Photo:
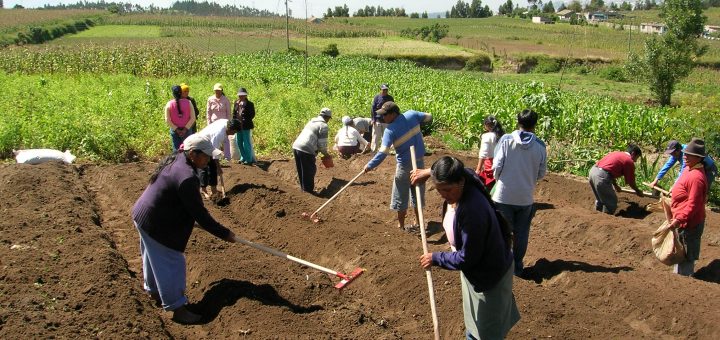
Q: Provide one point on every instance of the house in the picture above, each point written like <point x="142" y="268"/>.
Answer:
<point x="653" y="28"/>
<point x="711" y="29"/>
<point x="542" y="20"/>
<point x="596" y="16"/>
<point x="565" y="15"/>
<point x="314" y="20"/>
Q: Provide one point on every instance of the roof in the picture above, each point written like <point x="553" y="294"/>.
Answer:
<point x="565" y="12"/>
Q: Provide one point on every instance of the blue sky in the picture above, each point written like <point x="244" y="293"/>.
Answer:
<point x="314" y="7"/>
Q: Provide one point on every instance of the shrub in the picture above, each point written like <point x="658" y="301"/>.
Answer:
<point x="480" y="62"/>
<point x="331" y="50"/>
<point x="547" y="65"/>
<point x="614" y="73"/>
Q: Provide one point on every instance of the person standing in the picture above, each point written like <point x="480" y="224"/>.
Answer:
<point x="186" y="94"/>
<point x="164" y="216"/>
<point x="604" y="173"/>
<point x="688" y="205"/>
<point x="479" y="240"/>
<point x="218" y="107"/>
<point x="312" y="139"/>
<point x="378" y="124"/>
<point x="520" y="161"/>
<point x="675" y="152"/>
<point x="179" y="116"/>
<point x="244" y="111"/>
<point x="217" y="133"/>
<point x="403" y="131"/>
<point x="488" y="141"/>
<point x="348" y="141"/>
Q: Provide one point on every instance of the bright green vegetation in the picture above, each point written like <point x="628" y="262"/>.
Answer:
<point x="389" y="46"/>
<point x="117" y="31"/>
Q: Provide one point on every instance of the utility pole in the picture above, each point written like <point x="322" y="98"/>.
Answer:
<point x="287" y="24"/>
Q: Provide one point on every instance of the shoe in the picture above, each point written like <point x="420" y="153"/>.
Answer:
<point x="184" y="316"/>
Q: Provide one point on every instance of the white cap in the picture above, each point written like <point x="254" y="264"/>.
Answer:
<point x="326" y="112"/>
<point x="198" y="142"/>
<point x="346" y="120"/>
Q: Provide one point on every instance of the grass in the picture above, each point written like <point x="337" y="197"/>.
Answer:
<point x="119" y="31"/>
<point x="635" y="17"/>
<point x="395" y="46"/>
<point x="13" y="19"/>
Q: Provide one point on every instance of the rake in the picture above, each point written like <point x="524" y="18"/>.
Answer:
<point x="345" y="279"/>
<point x="313" y="217"/>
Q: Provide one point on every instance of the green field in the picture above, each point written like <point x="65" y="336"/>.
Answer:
<point x="118" y="31"/>
<point x="13" y="19"/>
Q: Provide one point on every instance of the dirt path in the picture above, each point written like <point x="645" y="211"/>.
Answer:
<point x="594" y="275"/>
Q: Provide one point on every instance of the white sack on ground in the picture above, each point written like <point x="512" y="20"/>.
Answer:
<point x="37" y="156"/>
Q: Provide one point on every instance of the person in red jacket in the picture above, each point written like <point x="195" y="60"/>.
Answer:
<point x="688" y="205"/>
<point x="605" y="171"/>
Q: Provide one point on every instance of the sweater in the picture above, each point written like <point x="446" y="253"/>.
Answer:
<point x="218" y="108"/>
<point x="688" y="197"/>
<point x="183" y="118"/>
<point x="520" y="161"/>
<point x="619" y="163"/>
<point x="245" y="113"/>
<point x="313" y="138"/>
<point x="348" y="136"/>
<point x="170" y="206"/>
<point x="377" y="102"/>
<point x="403" y="132"/>
<point x="482" y="253"/>
<point x="216" y="133"/>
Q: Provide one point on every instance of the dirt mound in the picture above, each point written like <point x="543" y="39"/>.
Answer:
<point x="71" y="262"/>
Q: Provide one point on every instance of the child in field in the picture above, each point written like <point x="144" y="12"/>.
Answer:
<point x="488" y="140"/>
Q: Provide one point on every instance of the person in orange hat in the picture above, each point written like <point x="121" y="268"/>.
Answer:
<point x="186" y="94"/>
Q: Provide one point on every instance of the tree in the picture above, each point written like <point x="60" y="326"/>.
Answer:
<point x="414" y="15"/>
<point x="561" y="7"/>
<point x="548" y="8"/>
<point x="595" y="5"/>
<point x="625" y="6"/>
<point x="424" y="15"/>
<point x="506" y="8"/>
<point x="671" y="57"/>
<point x="18" y="6"/>
<point x="575" y="6"/>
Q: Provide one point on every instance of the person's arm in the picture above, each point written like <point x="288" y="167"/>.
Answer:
<point x="227" y="107"/>
<point x="499" y="159"/>
<point x="207" y="110"/>
<point x="372" y="110"/>
<point x="630" y="179"/>
<point x="322" y="141"/>
<point x="191" y="121"/>
<point x="250" y="111"/>
<point x="361" y="141"/>
<point x="472" y="246"/>
<point x="665" y="168"/>
<point x="695" y="201"/>
<point x="419" y="176"/>
<point x="382" y="152"/>
<point x="542" y="170"/>
<point x="189" y="192"/>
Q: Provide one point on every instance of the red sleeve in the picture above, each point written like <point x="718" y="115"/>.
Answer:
<point x="695" y="200"/>
<point x="629" y="173"/>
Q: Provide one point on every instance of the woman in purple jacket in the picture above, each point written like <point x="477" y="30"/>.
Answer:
<point x="481" y="249"/>
<point x="164" y="216"/>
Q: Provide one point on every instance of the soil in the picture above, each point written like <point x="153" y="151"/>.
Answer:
<point x="70" y="262"/>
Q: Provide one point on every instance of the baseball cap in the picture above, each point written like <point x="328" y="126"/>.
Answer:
<point x="346" y="120"/>
<point x="198" y="142"/>
<point x="384" y="87"/>
<point x="242" y="92"/>
<point x="326" y="112"/>
<point x="388" y="106"/>
<point x="218" y="87"/>
<point x="672" y="146"/>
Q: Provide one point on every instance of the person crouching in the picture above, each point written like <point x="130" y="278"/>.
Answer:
<point x="348" y="140"/>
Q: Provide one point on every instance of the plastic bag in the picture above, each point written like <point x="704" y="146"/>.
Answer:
<point x="38" y="156"/>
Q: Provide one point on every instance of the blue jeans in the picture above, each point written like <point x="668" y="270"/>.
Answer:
<point x="519" y="218"/>
<point x="177" y="140"/>
<point x="163" y="271"/>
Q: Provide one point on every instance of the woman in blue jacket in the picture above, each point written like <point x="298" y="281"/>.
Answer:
<point x="481" y="249"/>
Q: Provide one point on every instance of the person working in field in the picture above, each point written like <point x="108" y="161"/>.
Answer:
<point x="164" y="216"/>
<point x="606" y="170"/>
<point x="403" y="130"/>
<point x="480" y="241"/>
<point x="244" y="111"/>
<point x="218" y="107"/>
<point x="675" y="152"/>
<point x="520" y="161"/>
<point x="186" y="94"/>
<point x="348" y="141"/>
<point x="217" y="133"/>
<point x="488" y="141"/>
<point x="312" y="139"/>
<point x="688" y="205"/>
<point x="180" y="117"/>
<point x="378" y="125"/>
<point x="363" y="126"/>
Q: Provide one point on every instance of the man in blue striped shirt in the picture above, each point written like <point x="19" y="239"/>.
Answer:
<point x="403" y="130"/>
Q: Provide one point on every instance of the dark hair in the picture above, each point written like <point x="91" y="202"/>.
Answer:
<point x="234" y="124"/>
<point x="527" y="119"/>
<point x="449" y="169"/>
<point x="177" y="94"/>
<point x="167" y="161"/>
<point x="634" y="150"/>
<point x="496" y="127"/>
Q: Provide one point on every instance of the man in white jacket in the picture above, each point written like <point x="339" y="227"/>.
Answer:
<point x="520" y="161"/>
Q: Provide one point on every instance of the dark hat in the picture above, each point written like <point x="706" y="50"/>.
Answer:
<point x="672" y="146"/>
<point x="384" y="87"/>
<point x="388" y="107"/>
<point x="242" y="92"/>
<point x="176" y="91"/>
<point x="696" y="147"/>
<point x="233" y="124"/>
